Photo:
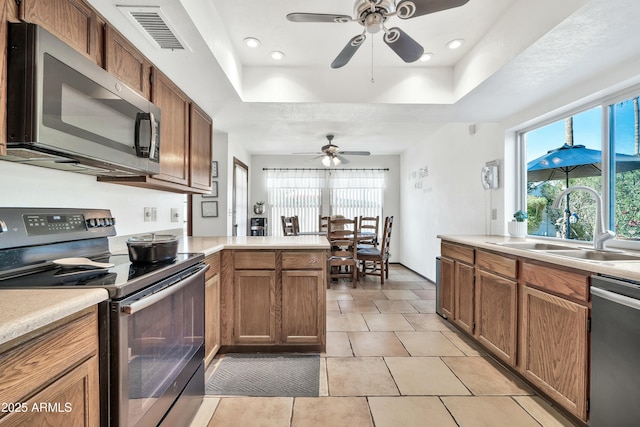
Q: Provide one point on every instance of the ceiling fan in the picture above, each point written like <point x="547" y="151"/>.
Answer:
<point x="372" y="15"/>
<point x="333" y="154"/>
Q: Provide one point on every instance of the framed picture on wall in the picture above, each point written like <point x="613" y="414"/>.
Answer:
<point x="209" y="209"/>
<point x="214" y="190"/>
<point x="214" y="169"/>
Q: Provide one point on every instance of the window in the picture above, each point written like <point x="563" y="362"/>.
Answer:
<point x="348" y="192"/>
<point x="570" y="152"/>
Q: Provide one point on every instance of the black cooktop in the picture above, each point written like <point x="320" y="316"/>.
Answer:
<point x="123" y="279"/>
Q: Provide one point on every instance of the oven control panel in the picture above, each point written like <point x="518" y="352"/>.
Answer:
<point x="53" y="224"/>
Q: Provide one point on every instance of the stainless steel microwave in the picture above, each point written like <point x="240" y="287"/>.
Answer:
<point x="66" y="112"/>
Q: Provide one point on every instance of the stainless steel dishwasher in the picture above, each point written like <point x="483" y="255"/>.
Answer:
<point x="615" y="352"/>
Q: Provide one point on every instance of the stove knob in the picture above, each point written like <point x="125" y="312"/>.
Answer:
<point x="3" y="226"/>
<point x="91" y="223"/>
<point x="100" y="222"/>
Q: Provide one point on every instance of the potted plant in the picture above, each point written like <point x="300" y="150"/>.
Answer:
<point x="258" y="208"/>
<point x="518" y="227"/>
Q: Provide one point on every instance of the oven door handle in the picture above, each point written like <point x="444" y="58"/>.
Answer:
<point x="158" y="296"/>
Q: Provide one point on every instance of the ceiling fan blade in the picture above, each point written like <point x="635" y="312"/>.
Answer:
<point x="407" y="48"/>
<point x="315" y="158"/>
<point x="318" y="17"/>
<point x="349" y="50"/>
<point x="308" y="153"/>
<point x="411" y="8"/>
<point x="343" y="160"/>
<point x="356" y="153"/>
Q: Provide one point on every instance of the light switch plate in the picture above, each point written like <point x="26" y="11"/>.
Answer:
<point x="175" y="215"/>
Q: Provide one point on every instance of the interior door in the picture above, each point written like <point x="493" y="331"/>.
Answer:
<point x="240" y="197"/>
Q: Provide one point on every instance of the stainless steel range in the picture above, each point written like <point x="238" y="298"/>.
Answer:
<point x="152" y="327"/>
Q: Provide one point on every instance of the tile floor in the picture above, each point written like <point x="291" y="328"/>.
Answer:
<point x="391" y="361"/>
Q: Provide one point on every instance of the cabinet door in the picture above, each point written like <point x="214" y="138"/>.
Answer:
<point x="464" y="296"/>
<point x="73" y="21"/>
<point x="303" y="312"/>
<point x="126" y="62"/>
<point x="496" y="315"/>
<point x="200" y="149"/>
<point x="212" y="317"/>
<point x="554" y="348"/>
<point x="72" y="400"/>
<point x="447" y="287"/>
<point x="255" y="307"/>
<point x="174" y="129"/>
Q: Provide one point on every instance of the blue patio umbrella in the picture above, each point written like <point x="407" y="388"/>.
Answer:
<point x="574" y="161"/>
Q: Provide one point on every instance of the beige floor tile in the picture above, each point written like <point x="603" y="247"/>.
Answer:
<point x="333" y="295"/>
<point x="428" y="322"/>
<point x="428" y="344"/>
<point x="424" y="376"/>
<point x="395" y="306"/>
<point x="367" y="294"/>
<point x="393" y="285"/>
<point x="409" y="411"/>
<point x="426" y="293"/>
<point x="400" y="294"/>
<point x="346" y="322"/>
<point x="376" y="344"/>
<point x="465" y="345"/>
<point x="369" y="284"/>
<point x="544" y="413"/>
<point x="331" y="411"/>
<point x="358" y="306"/>
<point x="424" y="306"/>
<point x="333" y="306"/>
<point x="341" y="285"/>
<point x="360" y="376"/>
<point x="485" y="377"/>
<point x="338" y="345"/>
<point x="203" y="416"/>
<point x="387" y="322"/>
<point x="484" y="411"/>
<point x="253" y="411"/>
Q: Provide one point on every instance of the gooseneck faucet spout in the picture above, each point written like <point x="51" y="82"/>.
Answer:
<point x="600" y="233"/>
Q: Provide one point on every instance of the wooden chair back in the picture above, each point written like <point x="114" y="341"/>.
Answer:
<point x="369" y="224"/>
<point x="290" y="225"/>
<point x="378" y="258"/>
<point x="323" y="223"/>
<point x="343" y="253"/>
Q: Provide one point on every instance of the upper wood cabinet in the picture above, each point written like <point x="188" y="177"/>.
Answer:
<point x="174" y="129"/>
<point x="126" y="62"/>
<point x="200" y="149"/>
<point x="73" y="21"/>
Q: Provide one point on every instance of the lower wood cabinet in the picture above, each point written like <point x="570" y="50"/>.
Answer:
<point x="273" y="298"/>
<point x="464" y="296"/>
<point x="53" y="378"/>
<point x="554" y="348"/>
<point x="447" y="287"/>
<point x="497" y="315"/>
<point x="212" y="308"/>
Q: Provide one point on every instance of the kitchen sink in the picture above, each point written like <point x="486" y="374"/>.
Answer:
<point x="593" y="255"/>
<point x="535" y="246"/>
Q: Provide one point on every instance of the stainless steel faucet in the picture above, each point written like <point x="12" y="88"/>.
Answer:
<point x="600" y="233"/>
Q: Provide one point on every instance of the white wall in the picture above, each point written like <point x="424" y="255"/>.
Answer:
<point x="32" y="186"/>
<point x="441" y="191"/>
<point x="391" y="206"/>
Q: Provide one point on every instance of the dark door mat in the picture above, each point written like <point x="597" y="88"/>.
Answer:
<point x="266" y="375"/>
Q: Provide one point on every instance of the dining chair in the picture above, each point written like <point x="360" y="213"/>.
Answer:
<point x="290" y="225"/>
<point x="378" y="258"/>
<point x="323" y="223"/>
<point x="342" y="260"/>
<point x="368" y="225"/>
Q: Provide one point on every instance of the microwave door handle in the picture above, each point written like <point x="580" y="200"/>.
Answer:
<point x="154" y="136"/>
<point x="136" y="137"/>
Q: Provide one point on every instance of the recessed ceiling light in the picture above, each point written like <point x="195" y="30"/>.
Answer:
<point x="426" y="56"/>
<point x="252" y="42"/>
<point x="277" y="55"/>
<point x="454" y="44"/>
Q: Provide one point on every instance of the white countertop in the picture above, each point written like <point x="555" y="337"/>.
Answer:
<point x="25" y="310"/>
<point x="210" y="245"/>
<point x="623" y="269"/>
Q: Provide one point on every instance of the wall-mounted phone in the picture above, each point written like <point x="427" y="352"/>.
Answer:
<point x="489" y="177"/>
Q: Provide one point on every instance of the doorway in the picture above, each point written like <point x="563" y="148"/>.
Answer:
<point x="240" y="198"/>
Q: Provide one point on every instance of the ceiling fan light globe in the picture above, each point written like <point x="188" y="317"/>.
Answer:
<point x="336" y="161"/>
<point x="326" y="160"/>
<point x="373" y="23"/>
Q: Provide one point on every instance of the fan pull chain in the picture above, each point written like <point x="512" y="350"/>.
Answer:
<point x="372" y="79"/>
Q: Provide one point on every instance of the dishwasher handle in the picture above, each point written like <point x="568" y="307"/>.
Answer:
<point x="617" y="298"/>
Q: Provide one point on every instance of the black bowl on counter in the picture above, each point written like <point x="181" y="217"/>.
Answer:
<point x="152" y="248"/>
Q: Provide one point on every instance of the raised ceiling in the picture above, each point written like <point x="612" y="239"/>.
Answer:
<point x="517" y="53"/>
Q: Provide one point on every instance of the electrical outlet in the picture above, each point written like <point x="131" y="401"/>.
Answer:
<point x="175" y="215"/>
<point x="147" y="214"/>
<point x="494" y="213"/>
<point x="154" y="214"/>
